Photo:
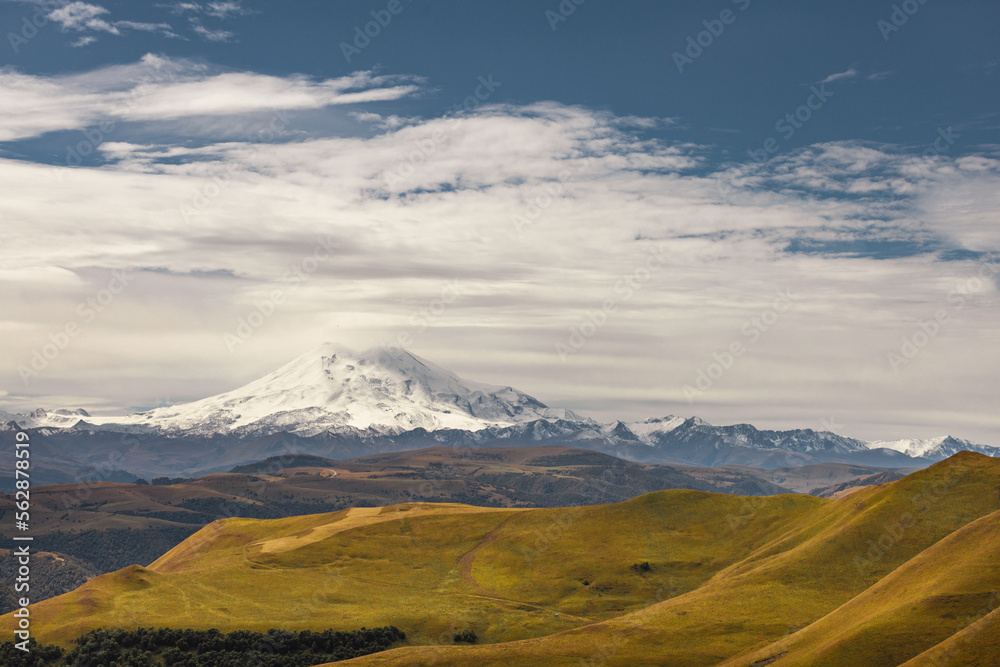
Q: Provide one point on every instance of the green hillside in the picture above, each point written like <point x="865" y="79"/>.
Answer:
<point x="976" y="644"/>
<point x="821" y="560"/>
<point x="506" y="573"/>
<point x="107" y="526"/>
<point x="921" y="604"/>
<point x="668" y="578"/>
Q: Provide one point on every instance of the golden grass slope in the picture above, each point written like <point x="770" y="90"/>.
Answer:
<point x="978" y="645"/>
<point x="921" y="604"/>
<point x="808" y="568"/>
<point x="727" y="574"/>
<point x="428" y="569"/>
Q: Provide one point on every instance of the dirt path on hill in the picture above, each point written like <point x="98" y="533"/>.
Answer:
<point x="466" y="560"/>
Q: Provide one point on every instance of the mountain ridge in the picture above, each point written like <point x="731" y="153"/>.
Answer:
<point x="343" y="404"/>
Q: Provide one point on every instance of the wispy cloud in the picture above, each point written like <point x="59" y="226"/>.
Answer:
<point x="160" y="89"/>
<point x="89" y="18"/>
<point x="850" y="73"/>
<point x="646" y="122"/>
<point x="383" y="122"/>
<point x="145" y="27"/>
<point x="182" y="7"/>
<point x="221" y="10"/>
<point x="216" y="10"/>
<point x="84" y="17"/>
<point x="224" y="10"/>
<point x="211" y="35"/>
<point x="80" y="16"/>
<point x="83" y="41"/>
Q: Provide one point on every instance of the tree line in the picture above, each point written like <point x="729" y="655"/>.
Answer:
<point x="148" y="647"/>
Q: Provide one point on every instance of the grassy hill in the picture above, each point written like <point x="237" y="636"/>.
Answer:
<point x="108" y="526"/>
<point x="506" y="573"/>
<point x="669" y="578"/>
<point x="976" y="644"/>
<point x="919" y="605"/>
<point x="821" y="560"/>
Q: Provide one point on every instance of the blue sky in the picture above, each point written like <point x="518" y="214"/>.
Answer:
<point x="213" y="151"/>
<point x="938" y="69"/>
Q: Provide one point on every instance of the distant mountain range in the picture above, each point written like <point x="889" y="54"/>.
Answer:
<point x="336" y="403"/>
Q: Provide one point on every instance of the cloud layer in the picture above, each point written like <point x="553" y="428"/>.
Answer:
<point x="559" y="249"/>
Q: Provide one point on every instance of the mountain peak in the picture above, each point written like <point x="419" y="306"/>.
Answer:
<point x="42" y="418"/>
<point x="329" y="349"/>
<point x="332" y="387"/>
<point x="938" y="448"/>
<point x="911" y="446"/>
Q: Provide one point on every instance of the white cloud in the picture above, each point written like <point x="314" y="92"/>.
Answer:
<point x="382" y="122"/>
<point x="220" y="10"/>
<point x="645" y="122"/>
<point x="964" y="208"/>
<point x="211" y="35"/>
<point x="850" y="73"/>
<point x="212" y="231"/>
<point x="85" y="17"/>
<point x="80" y="16"/>
<point x="158" y="89"/>
<point x="224" y="10"/>
<point x="183" y="7"/>
<point x="83" y="41"/>
<point x="145" y="27"/>
<point x="216" y="10"/>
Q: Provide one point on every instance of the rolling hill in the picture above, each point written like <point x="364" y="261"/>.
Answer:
<point x="975" y="644"/>
<point x="669" y="578"/>
<point x="107" y="526"/>
<point x="917" y="606"/>
<point x="818" y="562"/>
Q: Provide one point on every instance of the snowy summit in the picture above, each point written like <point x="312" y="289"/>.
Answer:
<point x="332" y="387"/>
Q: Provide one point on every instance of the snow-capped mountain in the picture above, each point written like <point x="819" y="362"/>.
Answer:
<point x="646" y="430"/>
<point x="336" y="403"/>
<point x="331" y="388"/>
<point x="934" y="448"/>
<point x="41" y="418"/>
